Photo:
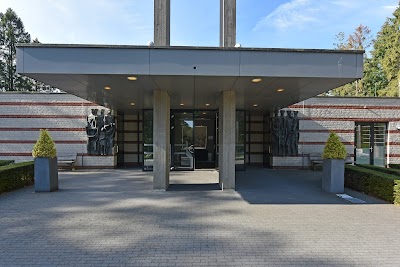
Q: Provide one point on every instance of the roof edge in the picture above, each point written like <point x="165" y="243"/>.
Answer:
<point x="190" y="48"/>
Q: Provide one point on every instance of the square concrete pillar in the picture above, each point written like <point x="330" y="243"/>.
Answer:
<point x="227" y="144"/>
<point x="162" y="22"/>
<point x="161" y="139"/>
<point x="227" y="33"/>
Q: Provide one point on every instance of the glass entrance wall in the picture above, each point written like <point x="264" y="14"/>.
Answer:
<point x="194" y="139"/>
<point x="205" y="138"/>
<point x="182" y="144"/>
<point x="147" y="140"/>
<point x="363" y="144"/>
<point x="379" y="149"/>
<point x="240" y="140"/>
<point x="370" y="142"/>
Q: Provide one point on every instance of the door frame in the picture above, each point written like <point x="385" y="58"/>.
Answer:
<point x="371" y="140"/>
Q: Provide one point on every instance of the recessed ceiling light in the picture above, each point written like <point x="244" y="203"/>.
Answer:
<point x="132" y="104"/>
<point x="107" y="87"/>
<point x="280" y="90"/>
<point x="181" y="104"/>
<point x="204" y="113"/>
<point x="132" y="78"/>
<point x="207" y="105"/>
<point x="256" y="80"/>
<point x="255" y="105"/>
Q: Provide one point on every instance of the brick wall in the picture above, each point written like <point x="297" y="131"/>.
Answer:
<point x="22" y="115"/>
<point x="320" y="115"/>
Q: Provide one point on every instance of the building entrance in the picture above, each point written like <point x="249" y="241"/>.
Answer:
<point x="370" y="140"/>
<point x="193" y="139"/>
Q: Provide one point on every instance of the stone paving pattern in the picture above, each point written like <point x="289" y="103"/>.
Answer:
<point x="275" y="218"/>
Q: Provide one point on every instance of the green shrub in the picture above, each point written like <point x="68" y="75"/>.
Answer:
<point x="334" y="149"/>
<point x="15" y="176"/>
<point x="374" y="183"/>
<point x="394" y="166"/>
<point x="44" y="147"/>
<point x="6" y="162"/>
<point x="381" y="169"/>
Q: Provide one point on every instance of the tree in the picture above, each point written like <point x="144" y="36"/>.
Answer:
<point x="12" y="32"/>
<point x="386" y="56"/>
<point x="360" y="39"/>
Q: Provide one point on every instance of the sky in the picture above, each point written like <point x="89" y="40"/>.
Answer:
<point x="260" y="23"/>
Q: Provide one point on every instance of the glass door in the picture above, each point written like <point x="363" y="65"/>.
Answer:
<point x="147" y="140"/>
<point x="182" y="145"/>
<point x="370" y="143"/>
<point x="379" y="144"/>
<point x="204" y="138"/>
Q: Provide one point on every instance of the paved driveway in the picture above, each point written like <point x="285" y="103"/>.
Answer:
<point x="113" y="218"/>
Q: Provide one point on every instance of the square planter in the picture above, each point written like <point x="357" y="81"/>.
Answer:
<point x="46" y="174"/>
<point x="333" y="176"/>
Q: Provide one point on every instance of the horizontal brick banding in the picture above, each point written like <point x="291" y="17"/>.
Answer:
<point x="34" y="141"/>
<point x="326" y="131"/>
<point x="347" y="119"/>
<point x="344" y="107"/>
<point x="60" y="104"/>
<point x="392" y="155"/>
<point x="49" y="129"/>
<point x="42" y="117"/>
<point x="323" y="143"/>
<point x="393" y="143"/>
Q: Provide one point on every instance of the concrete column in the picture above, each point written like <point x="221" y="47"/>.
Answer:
<point x="162" y="22"/>
<point x="227" y="123"/>
<point x="227" y="33"/>
<point x="161" y="139"/>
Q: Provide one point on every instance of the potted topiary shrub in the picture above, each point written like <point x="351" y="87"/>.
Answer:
<point x="45" y="161"/>
<point x="333" y="165"/>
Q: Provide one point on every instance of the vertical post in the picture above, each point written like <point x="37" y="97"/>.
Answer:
<point x="227" y="120"/>
<point x="227" y="33"/>
<point x="161" y="139"/>
<point x="162" y="22"/>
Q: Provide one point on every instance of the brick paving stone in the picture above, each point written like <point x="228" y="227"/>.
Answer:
<point x="275" y="218"/>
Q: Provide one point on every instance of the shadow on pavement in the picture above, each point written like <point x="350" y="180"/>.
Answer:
<point x="268" y="186"/>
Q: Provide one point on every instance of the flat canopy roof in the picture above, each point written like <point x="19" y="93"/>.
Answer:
<point x="193" y="76"/>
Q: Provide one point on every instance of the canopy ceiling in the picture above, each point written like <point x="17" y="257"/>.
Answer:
<point x="194" y="77"/>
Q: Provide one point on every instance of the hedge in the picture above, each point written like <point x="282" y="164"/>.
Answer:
<point x="6" y="162"/>
<point x="15" y="176"/>
<point x="381" y="169"/>
<point x="374" y="183"/>
<point x="394" y="166"/>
